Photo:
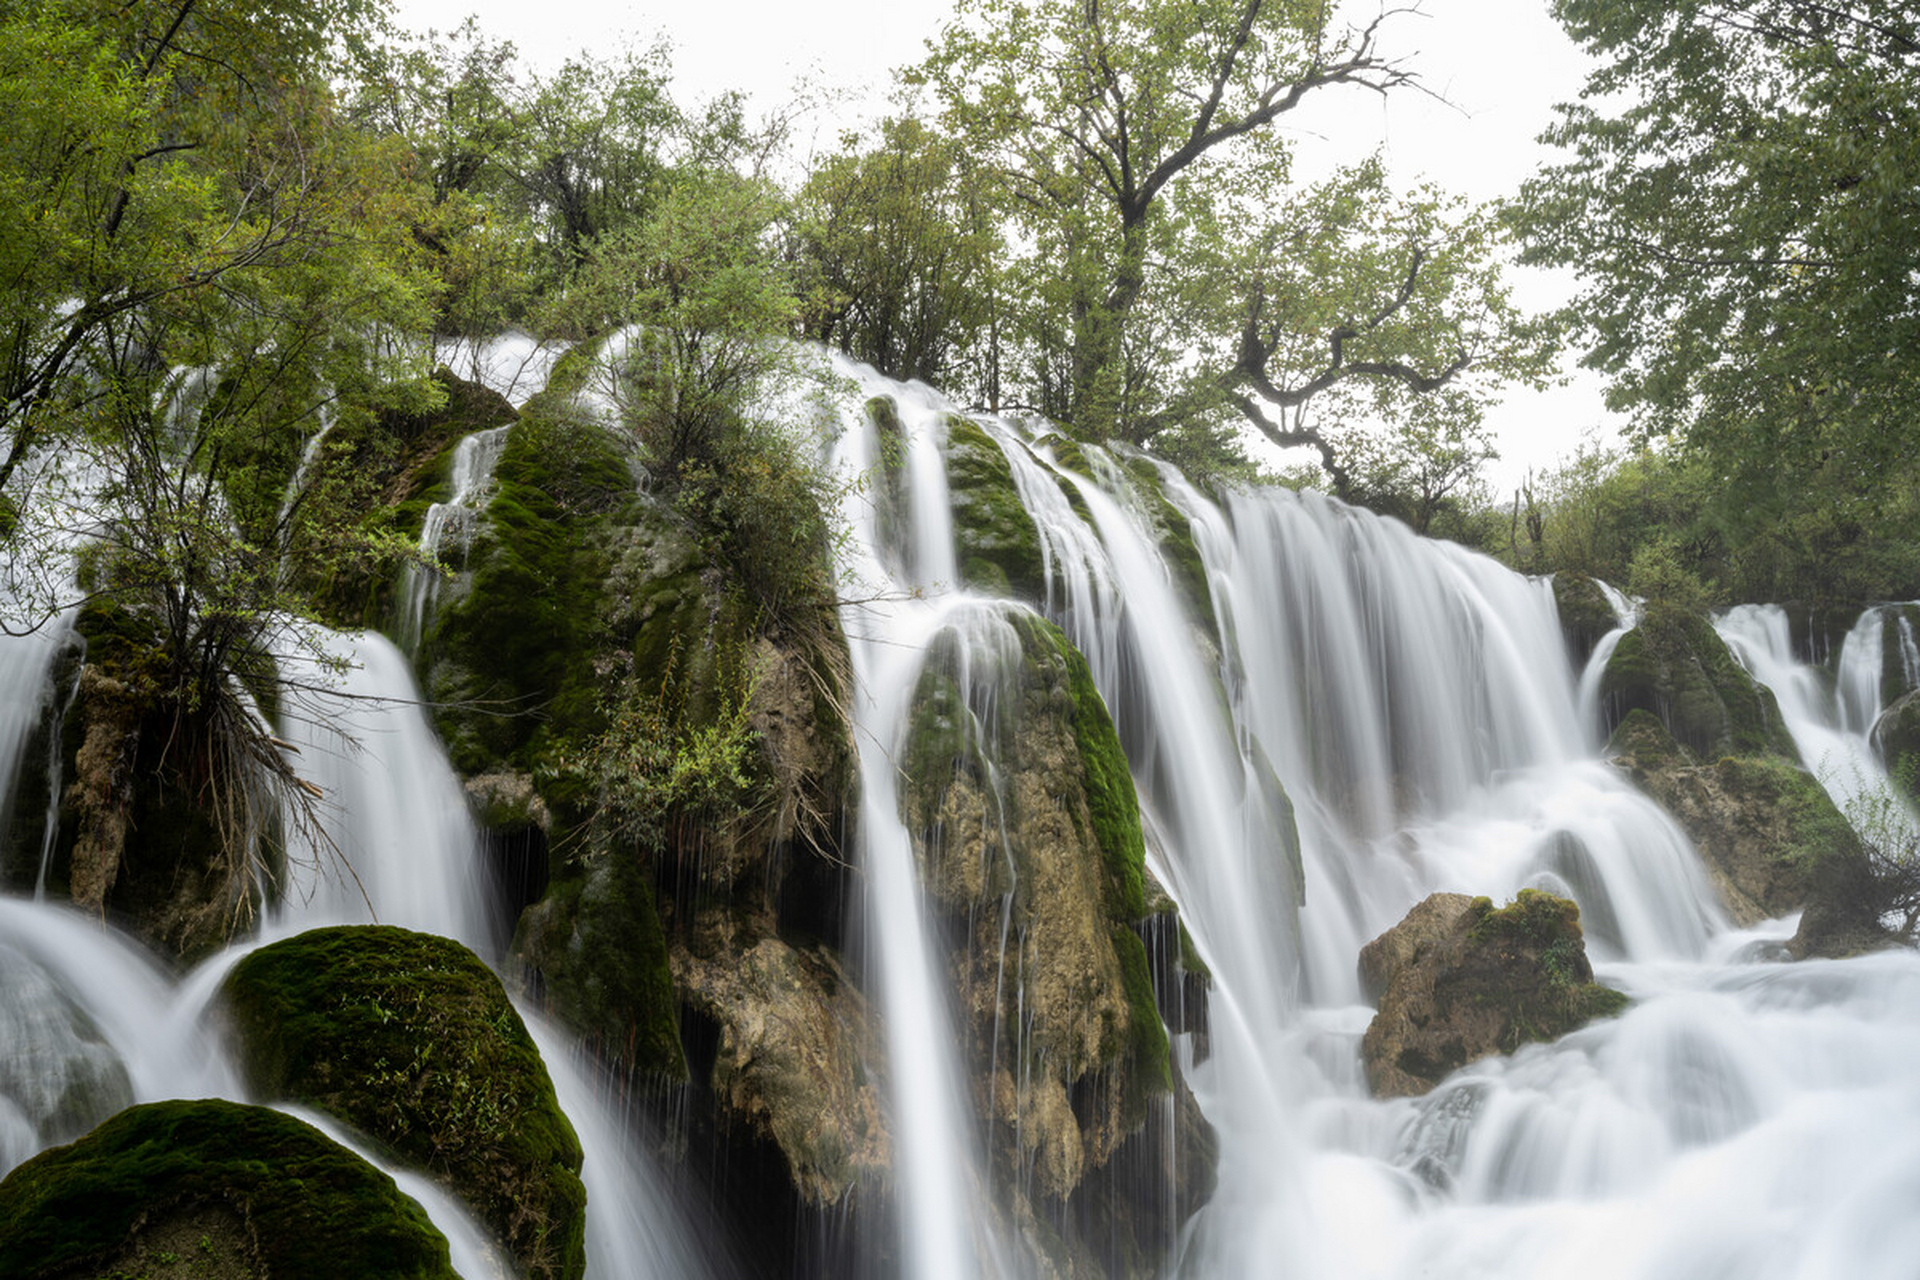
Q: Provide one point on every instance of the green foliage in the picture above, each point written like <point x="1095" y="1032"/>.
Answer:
<point x="660" y="765"/>
<point x="411" y="1039"/>
<point x="1150" y="1064"/>
<point x="1738" y="197"/>
<point x="312" y="1210"/>
<point x="1169" y="275"/>
<point x="897" y="257"/>
<point x="707" y="301"/>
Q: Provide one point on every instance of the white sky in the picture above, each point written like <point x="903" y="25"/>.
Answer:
<point x="1502" y="64"/>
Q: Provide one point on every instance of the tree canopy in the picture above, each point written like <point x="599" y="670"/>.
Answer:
<point x="1739" y="199"/>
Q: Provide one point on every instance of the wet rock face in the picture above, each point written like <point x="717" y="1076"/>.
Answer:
<point x="1024" y="821"/>
<point x="173" y="1190"/>
<point x="798" y="1057"/>
<point x="1769" y="835"/>
<point x="1459" y="980"/>
<point x="1585" y="614"/>
<point x="1896" y="737"/>
<point x="411" y="1039"/>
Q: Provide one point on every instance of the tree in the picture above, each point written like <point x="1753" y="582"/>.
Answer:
<point x="1134" y="147"/>
<point x="202" y="259"/>
<point x="1739" y="200"/>
<point x="897" y="256"/>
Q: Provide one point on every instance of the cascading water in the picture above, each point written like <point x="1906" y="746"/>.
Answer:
<point x="1327" y="719"/>
<point x="1414" y="703"/>
<point x="905" y="594"/>
<point x="448" y="528"/>
<point x="1829" y="728"/>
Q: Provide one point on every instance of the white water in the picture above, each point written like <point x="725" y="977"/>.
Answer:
<point x="514" y="364"/>
<point x="447" y="531"/>
<point x="945" y="1229"/>
<point x="1829" y="729"/>
<point x="1743" y="1118"/>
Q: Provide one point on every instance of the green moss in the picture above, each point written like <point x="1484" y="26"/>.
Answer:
<point x="1149" y="1060"/>
<point x="598" y="944"/>
<point x="996" y="542"/>
<point x="315" y="1210"/>
<point x="1530" y="958"/>
<point x="1585" y="613"/>
<point x="508" y="665"/>
<point x="1817" y="831"/>
<point x="1109" y="783"/>
<point x="1675" y="666"/>
<point x="410" y="1038"/>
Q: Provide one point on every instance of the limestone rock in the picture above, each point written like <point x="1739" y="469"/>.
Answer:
<point x="795" y="1046"/>
<point x="1460" y="981"/>
<point x="1674" y="666"/>
<point x="1585" y="613"/>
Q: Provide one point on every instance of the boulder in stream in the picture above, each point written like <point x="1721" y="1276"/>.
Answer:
<point x="410" y="1039"/>
<point x="1458" y="980"/>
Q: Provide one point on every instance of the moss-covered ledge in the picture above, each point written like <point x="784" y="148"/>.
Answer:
<point x="411" y="1039"/>
<point x="178" y="1189"/>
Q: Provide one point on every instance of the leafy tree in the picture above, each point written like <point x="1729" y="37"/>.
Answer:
<point x="897" y="256"/>
<point x="1739" y="198"/>
<point x="1133" y="143"/>
<point x="201" y="259"/>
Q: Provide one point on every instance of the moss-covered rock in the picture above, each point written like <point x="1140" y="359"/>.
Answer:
<point x="1024" y="818"/>
<point x="1674" y="666"/>
<point x="1768" y="832"/>
<point x="1459" y="980"/>
<point x="509" y="663"/>
<point x="410" y="1039"/>
<point x="180" y="1189"/>
<point x="1173" y="534"/>
<point x="1585" y="614"/>
<point x="996" y="543"/>
<point x="596" y="942"/>
<point x="392" y="466"/>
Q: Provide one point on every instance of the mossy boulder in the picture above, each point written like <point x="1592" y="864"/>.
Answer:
<point x="1896" y="738"/>
<point x="509" y="662"/>
<point x="410" y="1039"/>
<point x="1173" y="534"/>
<point x="996" y="543"/>
<point x="1023" y="816"/>
<point x="173" y="1190"/>
<point x="1771" y="837"/>
<point x="1674" y="665"/>
<point x="1586" y="614"/>
<point x="798" y="1058"/>
<point x="1458" y="980"/>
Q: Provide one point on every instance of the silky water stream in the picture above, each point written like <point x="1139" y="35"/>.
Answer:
<point x="1327" y="719"/>
<point x="1351" y="719"/>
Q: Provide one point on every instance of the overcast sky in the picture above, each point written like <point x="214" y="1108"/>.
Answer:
<point x="1501" y="64"/>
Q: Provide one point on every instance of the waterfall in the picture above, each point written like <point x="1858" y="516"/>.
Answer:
<point x="1829" y="731"/>
<point x="1406" y="708"/>
<point x="945" y="1231"/>
<point x="448" y="529"/>
<point x="1327" y="719"/>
